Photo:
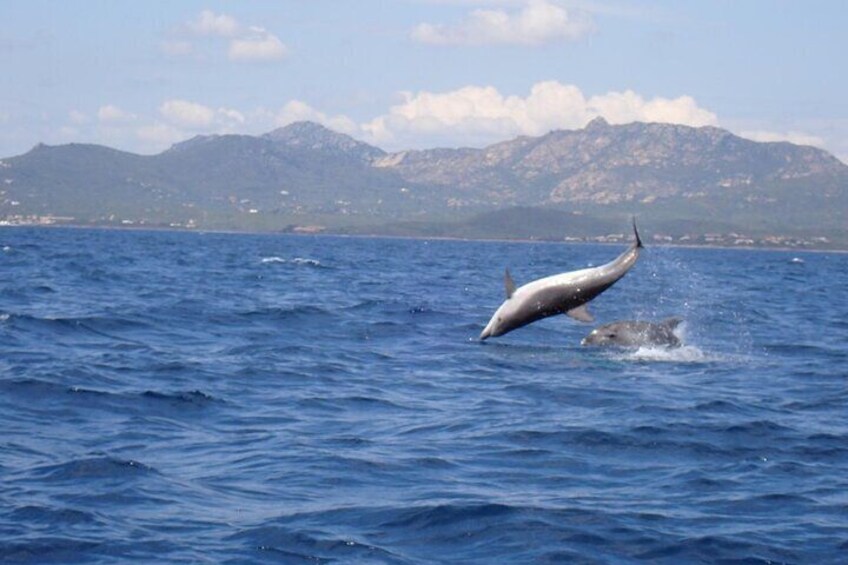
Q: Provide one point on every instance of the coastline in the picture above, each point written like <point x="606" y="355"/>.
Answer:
<point x="329" y="233"/>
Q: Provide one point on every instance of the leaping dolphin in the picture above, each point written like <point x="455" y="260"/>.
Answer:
<point x="635" y="333"/>
<point x="565" y="293"/>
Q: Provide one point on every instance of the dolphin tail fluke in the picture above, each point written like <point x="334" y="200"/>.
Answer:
<point x="636" y="233"/>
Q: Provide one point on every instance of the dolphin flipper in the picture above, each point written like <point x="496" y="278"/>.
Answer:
<point x="581" y="313"/>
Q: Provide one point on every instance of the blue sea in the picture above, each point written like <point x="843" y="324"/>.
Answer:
<point x="179" y="397"/>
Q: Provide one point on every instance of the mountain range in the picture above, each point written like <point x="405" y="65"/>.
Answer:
<point x="684" y="183"/>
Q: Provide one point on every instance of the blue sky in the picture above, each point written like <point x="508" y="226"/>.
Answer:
<point x="404" y="74"/>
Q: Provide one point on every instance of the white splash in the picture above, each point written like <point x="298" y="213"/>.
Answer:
<point x="294" y="261"/>
<point x="684" y="354"/>
<point x="304" y="261"/>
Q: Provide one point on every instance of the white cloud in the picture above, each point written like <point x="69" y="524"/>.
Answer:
<point x="187" y="114"/>
<point x="244" y="43"/>
<point x="627" y="106"/>
<point x="259" y="45"/>
<point x="210" y="23"/>
<point x="468" y="116"/>
<point x="537" y="22"/>
<point x="68" y="134"/>
<point x="159" y="136"/>
<point x="111" y="113"/>
<point x="77" y="117"/>
<point x="230" y="117"/>
<point x="197" y="117"/>
<point x="479" y="115"/>
<point x="797" y="137"/>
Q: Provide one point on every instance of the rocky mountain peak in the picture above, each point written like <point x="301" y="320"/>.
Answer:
<point x="597" y="124"/>
<point x="193" y="142"/>
<point x="313" y="136"/>
<point x="297" y="131"/>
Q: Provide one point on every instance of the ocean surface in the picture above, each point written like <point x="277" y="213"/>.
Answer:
<point x="227" y="398"/>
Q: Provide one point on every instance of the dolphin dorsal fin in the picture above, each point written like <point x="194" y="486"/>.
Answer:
<point x="509" y="284"/>
<point x="638" y="242"/>
<point x="672" y="322"/>
<point x="581" y="313"/>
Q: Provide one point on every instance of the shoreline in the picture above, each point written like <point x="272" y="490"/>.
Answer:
<point x="201" y="231"/>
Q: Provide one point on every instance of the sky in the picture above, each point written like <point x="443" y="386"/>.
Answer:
<point x="414" y="74"/>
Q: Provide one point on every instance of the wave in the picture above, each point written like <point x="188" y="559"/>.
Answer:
<point x="287" y="314"/>
<point x="48" y="550"/>
<point x="176" y="404"/>
<point x="395" y="308"/>
<point x="357" y="403"/>
<point x="104" y="325"/>
<point x="291" y="545"/>
<point x="36" y="514"/>
<point x="707" y="549"/>
<point x="400" y="534"/>
<point x="717" y="440"/>
<point x="491" y="532"/>
<point x="193" y="398"/>
<point x="86" y="397"/>
<point x="94" y="468"/>
<point x="32" y="387"/>
<point x="297" y="261"/>
<point x="427" y="517"/>
<point x="757" y="428"/>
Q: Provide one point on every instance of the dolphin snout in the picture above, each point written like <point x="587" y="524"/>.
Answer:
<point x="489" y="330"/>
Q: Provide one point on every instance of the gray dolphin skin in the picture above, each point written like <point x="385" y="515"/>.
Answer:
<point x="565" y="293"/>
<point x="635" y="333"/>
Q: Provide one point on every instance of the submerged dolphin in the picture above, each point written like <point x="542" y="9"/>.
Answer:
<point x="566" y="293"/>
<point x="634" y="333"/>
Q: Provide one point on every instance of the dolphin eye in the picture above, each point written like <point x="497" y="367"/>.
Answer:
<point x="610" y="335"/>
